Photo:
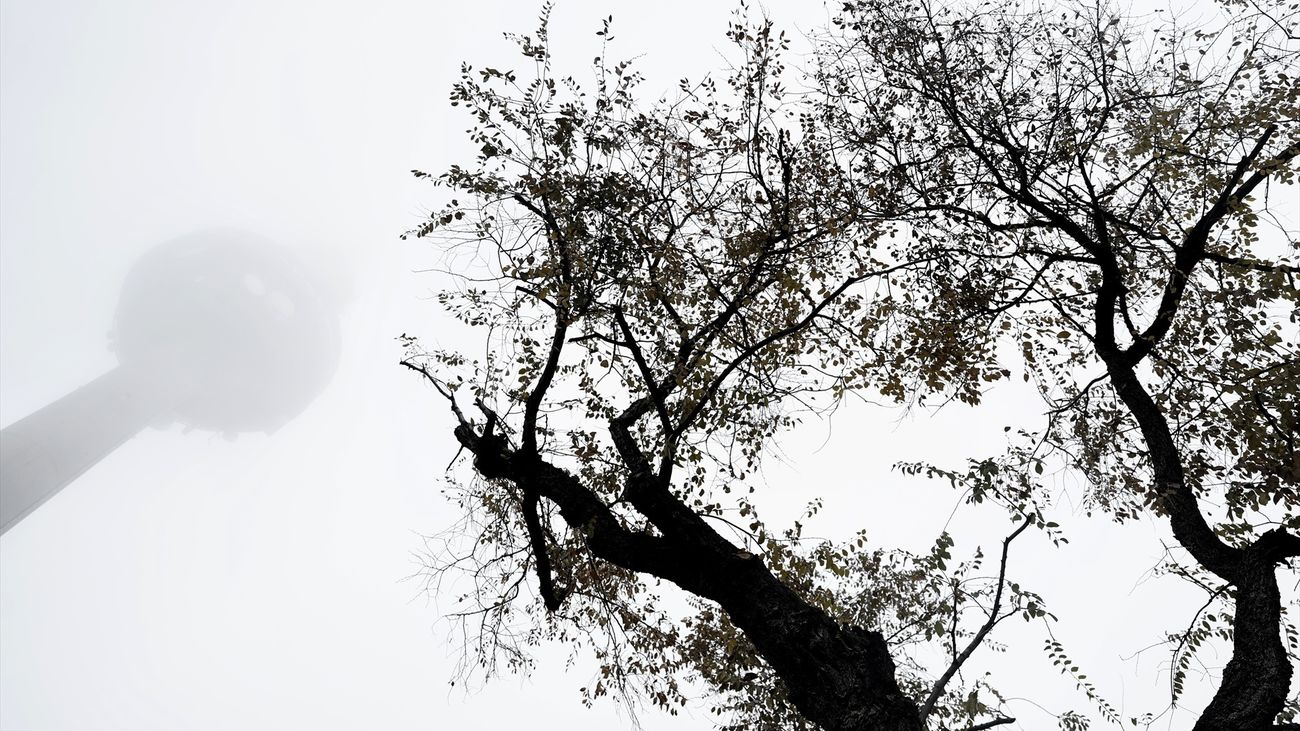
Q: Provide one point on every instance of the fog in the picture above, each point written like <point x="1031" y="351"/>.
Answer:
<point x="201" y="287"/>
<point x="218" y="331"/>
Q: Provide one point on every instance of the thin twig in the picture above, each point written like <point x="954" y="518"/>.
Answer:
<point x="937" y="691"/>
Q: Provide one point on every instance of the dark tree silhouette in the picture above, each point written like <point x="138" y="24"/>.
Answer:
<point x="1096" y="192"/>
<point x="666" y="287"/>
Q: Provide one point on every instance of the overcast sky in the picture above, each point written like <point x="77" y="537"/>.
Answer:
<point x="191" y="581"/>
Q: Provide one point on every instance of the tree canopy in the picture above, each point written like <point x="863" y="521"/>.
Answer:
<point x="938" y="198"/>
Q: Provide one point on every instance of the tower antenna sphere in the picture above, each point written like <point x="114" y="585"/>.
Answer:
<point x="219" y="331"/>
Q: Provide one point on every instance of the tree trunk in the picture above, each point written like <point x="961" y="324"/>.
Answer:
<point x="1258" y="676"/>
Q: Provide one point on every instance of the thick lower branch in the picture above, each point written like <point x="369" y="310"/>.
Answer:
<point x="841" y="678"/>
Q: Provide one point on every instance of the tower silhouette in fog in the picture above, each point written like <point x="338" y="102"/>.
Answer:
<point x="218" y="331"/>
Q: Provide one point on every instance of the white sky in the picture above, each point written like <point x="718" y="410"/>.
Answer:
<point x="192" y="582"/>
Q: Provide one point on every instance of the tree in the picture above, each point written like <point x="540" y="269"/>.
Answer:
<point x="1095" y="192"/>
<point x="666" y="288"/>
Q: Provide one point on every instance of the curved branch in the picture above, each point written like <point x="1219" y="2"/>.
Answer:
<point x="551" y="597"/>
